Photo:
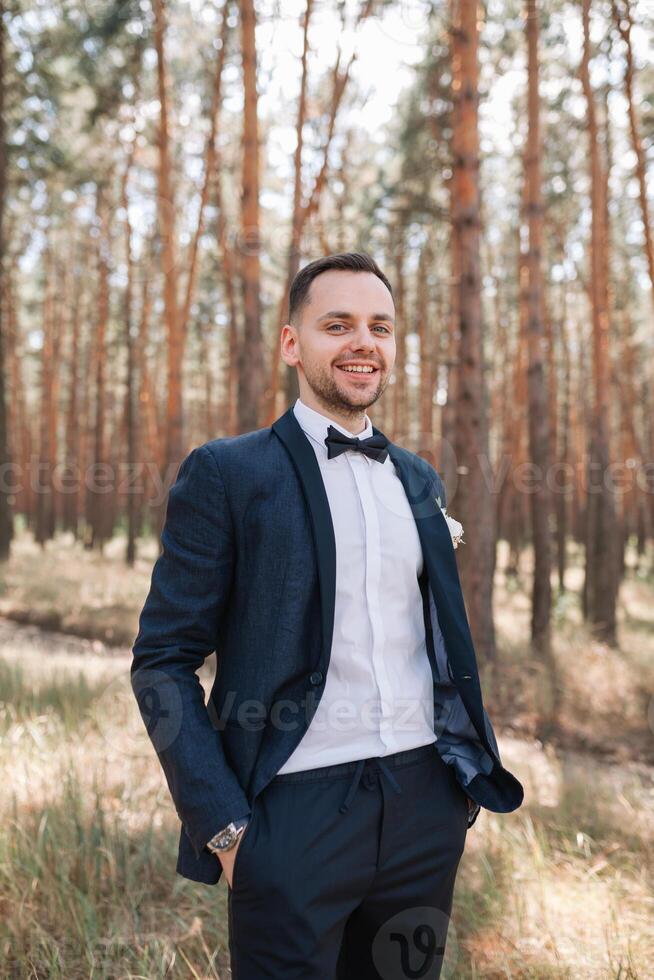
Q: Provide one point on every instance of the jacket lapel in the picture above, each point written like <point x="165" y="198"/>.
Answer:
<point x="444" y="582"/>
<point x="289" y="430"/>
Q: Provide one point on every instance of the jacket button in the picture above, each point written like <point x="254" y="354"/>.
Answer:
<point x="466" y="677"/>
<point x="316" y="678"/>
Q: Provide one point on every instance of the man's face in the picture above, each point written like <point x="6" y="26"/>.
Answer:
<point x="348" y="321"/>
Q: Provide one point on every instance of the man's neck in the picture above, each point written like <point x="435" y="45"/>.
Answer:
<point x="355" y="424"/>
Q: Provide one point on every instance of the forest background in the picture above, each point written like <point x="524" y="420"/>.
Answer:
<point x="165" y="170"/>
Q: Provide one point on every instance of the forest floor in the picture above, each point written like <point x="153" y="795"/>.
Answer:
<point x="561" y="888"/>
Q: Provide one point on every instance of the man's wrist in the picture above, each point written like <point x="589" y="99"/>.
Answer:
<point x="227" y="838"/>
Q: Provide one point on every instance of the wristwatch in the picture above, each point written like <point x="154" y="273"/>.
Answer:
<point x="226" y="838"/>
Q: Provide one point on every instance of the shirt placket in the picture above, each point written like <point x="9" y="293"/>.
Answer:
<point x="360" y="466"/>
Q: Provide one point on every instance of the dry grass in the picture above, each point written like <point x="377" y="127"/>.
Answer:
<point x="88" y="833"/>
<point x="606" y="694"/>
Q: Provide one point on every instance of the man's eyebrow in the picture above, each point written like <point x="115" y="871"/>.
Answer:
<point x="343" y="315"/>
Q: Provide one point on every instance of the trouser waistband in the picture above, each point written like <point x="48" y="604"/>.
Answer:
<point x="372" y="766"/>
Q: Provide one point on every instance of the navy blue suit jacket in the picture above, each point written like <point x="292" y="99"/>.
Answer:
<point x="248" y="569"/>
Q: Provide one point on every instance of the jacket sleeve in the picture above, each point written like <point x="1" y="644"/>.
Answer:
<point x="179" y="626"/>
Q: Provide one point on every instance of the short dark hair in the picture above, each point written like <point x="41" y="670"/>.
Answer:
<point x="348" y="261"/>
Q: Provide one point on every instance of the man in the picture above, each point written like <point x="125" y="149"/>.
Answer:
<point x="344" y="750"/>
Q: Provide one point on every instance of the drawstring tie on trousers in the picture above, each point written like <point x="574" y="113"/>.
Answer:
<point x="358" y="773"/>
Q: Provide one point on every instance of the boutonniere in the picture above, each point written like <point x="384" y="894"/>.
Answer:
<point x="454" y="527"/>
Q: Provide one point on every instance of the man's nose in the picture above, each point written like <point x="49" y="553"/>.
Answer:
<point x="363" y="338"/>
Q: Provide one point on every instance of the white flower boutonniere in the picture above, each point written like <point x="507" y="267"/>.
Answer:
<point x="454" y="527"/>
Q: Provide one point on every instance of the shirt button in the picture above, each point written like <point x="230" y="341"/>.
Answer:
<point x="316" y="678"/>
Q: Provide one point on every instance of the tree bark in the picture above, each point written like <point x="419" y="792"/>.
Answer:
<point x="624" y="23"/>
<point x="98" y="511"/>
<point x="400" y="427"/>
<point x="540" y="502"/>
<point x="426" y="391"/>
<point x="251" y="360"/>
<point x="45" y="501"/>
<point x="132" y="418"/>
<point x="71" y="507"/>
<point x="167" y="231"/>
<point x="601" y="572"/>
<point x="472" y="504"/>
<point x="6" y="519"/>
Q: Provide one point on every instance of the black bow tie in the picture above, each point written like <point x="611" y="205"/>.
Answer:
<point x="338" y="443"/>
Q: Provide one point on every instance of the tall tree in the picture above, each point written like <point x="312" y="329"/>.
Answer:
<point x="539" y="407"/>
<point x="601" y="571"/>
<point x="474" y="505"/>
<point x="400" y="413"/>
<point x="131" y="413"/>
<point x="537" y="394"/>
<point x="251" y="358"/>
<point x="98" y="511"/>
<point x="70" y="510"/>
<point x="45" y="501"/>
<point x="167" y="231"/>
<point x="624" y="23"/>
<point x="424" y="330"/>
<point x="6" y="523"/>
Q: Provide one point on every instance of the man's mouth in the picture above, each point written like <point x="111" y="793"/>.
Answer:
<point x="358" y="370"/>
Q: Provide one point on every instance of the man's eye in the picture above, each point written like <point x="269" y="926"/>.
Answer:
<point x="377" y="325"/>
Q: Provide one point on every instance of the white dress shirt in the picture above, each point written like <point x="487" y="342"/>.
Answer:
<point x="378" y="696"/>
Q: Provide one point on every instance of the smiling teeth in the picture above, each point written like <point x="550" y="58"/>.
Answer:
<point x="359" y="370"/>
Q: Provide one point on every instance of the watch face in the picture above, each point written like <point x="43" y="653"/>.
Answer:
<point x="224" y="839"/>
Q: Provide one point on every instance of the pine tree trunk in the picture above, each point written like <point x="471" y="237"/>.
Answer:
<point x="230" y="411"/>
<point x="449" y="416"/>
<point x="514" y="510"/>
<point x="132" y="417"/>
<point x="400" y="386"/>
<point x="426" y="391"/>
<point x="472" y="503"/>
<point x="70" y="512"/>
<point x="601" y="582"/>
<point x="45" y="513"/>
<point x="167" y="231"/>
<point x="539" y="497"/>
<point x="6" y="520"/>
<point x="151" y="450"/>
<point x="251" y="361"/>
<point x="563" y="458"/>
<point x="97" y="498"/>
<point x="624" y="23"/>
<point x="19" y="434"/>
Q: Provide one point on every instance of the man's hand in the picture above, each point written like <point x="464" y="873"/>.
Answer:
<point x="227" y="859"/>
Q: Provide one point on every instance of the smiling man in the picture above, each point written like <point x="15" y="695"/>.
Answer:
<point x="344" y="356"/>
<point x="345" y="749"/>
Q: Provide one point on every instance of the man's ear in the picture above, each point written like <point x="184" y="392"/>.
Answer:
<point x="287" y="331"/>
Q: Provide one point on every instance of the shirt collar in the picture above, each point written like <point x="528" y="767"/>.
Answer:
<point x="315" y="425"/>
